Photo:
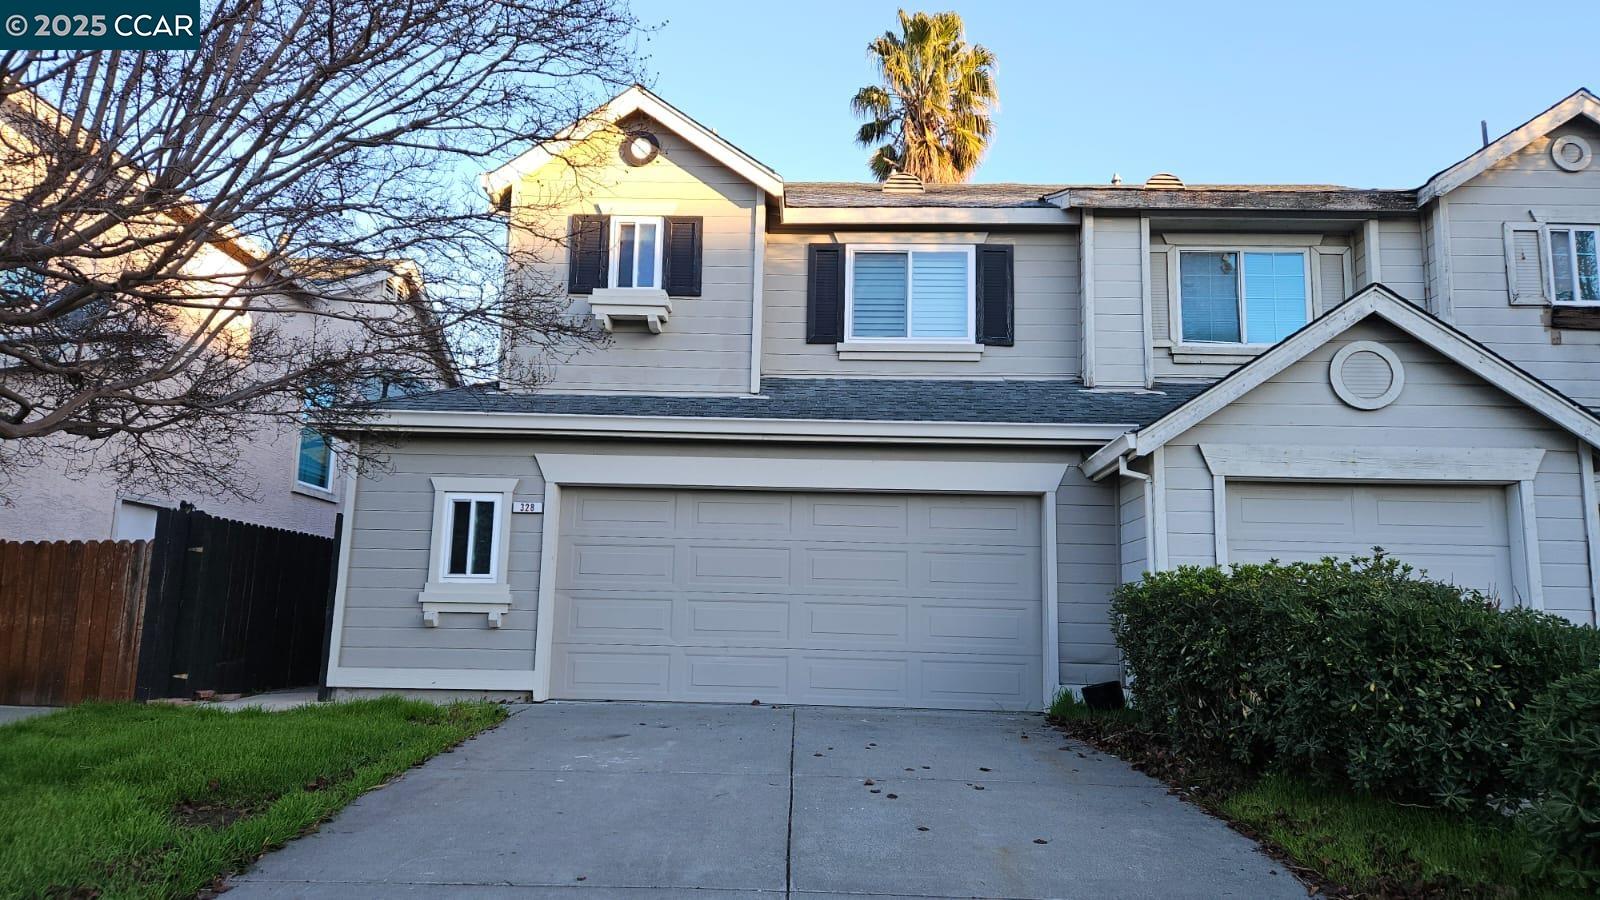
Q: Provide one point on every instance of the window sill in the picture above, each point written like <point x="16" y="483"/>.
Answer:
<point x="911" y="351"/>
<point x="648" y="305"/>
<point x="315" y="492"/>
<point x="1195" y="354"/>
<point x="491" y="599"/>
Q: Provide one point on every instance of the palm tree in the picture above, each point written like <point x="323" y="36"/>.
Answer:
<point x="930" y="116"/>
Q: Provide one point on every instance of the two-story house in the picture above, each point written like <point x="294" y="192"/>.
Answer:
<point x="894" y="444"/>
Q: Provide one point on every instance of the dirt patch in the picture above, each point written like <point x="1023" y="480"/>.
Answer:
<point x="190" y="814"/>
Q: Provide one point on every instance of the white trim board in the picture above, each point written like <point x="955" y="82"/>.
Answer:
<point x="718" y="428"/>
<point x="878" y="216"/>
<point x="637" y="99"/>
<point x="1374" y="300"/>
<point x="564" y="470"/>
<point x="1270" y="462"/>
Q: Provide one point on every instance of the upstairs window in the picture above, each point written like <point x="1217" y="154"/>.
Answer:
<point x="922" y="293"/>
<point x="314" y="463"/>
<point x="472" y="536"/>
<point x="1575" y="264"/>
<point x="1242" y="296"/>
<point x="635" y="252"/>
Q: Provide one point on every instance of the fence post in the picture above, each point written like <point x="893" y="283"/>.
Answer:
<point x="323" y="692"/>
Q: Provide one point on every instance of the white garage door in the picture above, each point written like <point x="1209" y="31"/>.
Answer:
<point x="855" y="599"/>
<point x="1458" y="534"/>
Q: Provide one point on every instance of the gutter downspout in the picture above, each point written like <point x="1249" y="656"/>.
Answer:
<point x="1149" y="509"/>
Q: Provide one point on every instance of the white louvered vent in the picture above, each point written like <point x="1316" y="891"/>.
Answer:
<point x="1527" y="274"/>
<point x="1160" y="303"/>
<point x="1164" y="181"/>
<point x="1367" y="375"/>
<point x="1334" y="290"/>
<point x="903" y="183"/>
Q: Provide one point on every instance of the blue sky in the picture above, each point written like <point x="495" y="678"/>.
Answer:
<point x="1356" y="93"/>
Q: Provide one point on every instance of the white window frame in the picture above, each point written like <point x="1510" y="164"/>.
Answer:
<point x="447" y="531"/>
<point x="615" y="253"/>
<point x="910" y="250"/>
<point x="1244" y="342"/>
<point x="490" y="594"/>
<point x="1572" y="254"/>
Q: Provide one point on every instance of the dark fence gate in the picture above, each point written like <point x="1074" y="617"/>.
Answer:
<point x="208" y="604"/>
<point x="233" y="607"/>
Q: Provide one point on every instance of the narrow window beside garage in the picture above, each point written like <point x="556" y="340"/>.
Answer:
<point x="472" y="529"/>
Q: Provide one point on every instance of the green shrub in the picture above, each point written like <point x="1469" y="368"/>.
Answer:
<point x="1561" y="765"/>
<point x="1346" y="671"/>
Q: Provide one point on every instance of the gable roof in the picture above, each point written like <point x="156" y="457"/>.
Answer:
<point x="638" y="99"/>
<point x="1373" y="300"/>
<point x="1579" y="103"/>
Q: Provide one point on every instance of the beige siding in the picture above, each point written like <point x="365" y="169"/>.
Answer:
<point x="1441" y="406"/>
<point x="382" y="625"/>
<point x="1522" y="188"/>
<point x="1118" y="302"/>
<point x="1086" y="558"/>
<point x="1047" y="311"/>
<point x="1400" y="251"/>
<point x="705" y="348"/>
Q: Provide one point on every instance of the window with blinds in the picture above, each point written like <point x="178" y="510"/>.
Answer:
<point x="910" y="293"/>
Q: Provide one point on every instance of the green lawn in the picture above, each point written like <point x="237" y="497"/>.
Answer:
<point x="1358" y="845"/>
<point x="122" y="800"/>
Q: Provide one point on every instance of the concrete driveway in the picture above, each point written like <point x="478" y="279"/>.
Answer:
<point x="636" y="800"/>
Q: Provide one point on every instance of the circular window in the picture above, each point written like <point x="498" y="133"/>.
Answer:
<point x="1367" y="375"/>
<point x="639" y="148"/>
<point x="1571" y="153"/>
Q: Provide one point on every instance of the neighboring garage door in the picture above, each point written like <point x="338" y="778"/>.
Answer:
<point x="1458" y="534"/>
<point x="854" y="599"/>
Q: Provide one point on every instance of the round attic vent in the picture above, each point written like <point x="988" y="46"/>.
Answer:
<point x="1367" y="375"/>
<point x="1571" y="153"/>
<point x="1165" y="181"/>
<point x="639" y="148"/>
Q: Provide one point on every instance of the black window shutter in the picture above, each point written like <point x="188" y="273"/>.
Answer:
<point x="680" y="257"/>
<point x="825" y="294"/>
<point x="588" y="252"/>
<point x="996" y="290"/>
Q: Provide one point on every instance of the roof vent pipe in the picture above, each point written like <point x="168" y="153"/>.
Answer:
<point x="1483" y="127"/>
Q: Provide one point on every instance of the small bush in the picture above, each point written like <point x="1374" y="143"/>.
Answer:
<point x="1561" y="764"/>
<point x="1345" y="671"/>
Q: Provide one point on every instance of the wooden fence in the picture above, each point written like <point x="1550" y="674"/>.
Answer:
<point x="70" y="618"/>
<point x="208" y="604"/>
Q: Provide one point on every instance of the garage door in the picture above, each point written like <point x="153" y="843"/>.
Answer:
<point x="1458" y="534"/>
<point x="854" y="599"/>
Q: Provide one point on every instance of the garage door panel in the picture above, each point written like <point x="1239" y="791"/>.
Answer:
<point x="725" y="619"/>
<point x="1458" y="534"/>
<point x="600" y="564"/>
<point x="641" y="514"/>
<point x="716" y="566"/>
<point x="845" y="517"/>
<point x="867" y="599"/>
<point x="1001" y="574"/>
<point x="766" y="516"/>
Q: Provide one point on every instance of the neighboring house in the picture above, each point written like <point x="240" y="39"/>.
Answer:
<point x="895" y="444"/>
<point x="288" y="475"/>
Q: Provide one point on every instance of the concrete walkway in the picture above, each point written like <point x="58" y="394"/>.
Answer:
<point x="595" y="800"/>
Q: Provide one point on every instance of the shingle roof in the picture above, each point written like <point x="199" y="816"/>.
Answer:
<point x="871" y="194"/>
<point x="853" y="399"/>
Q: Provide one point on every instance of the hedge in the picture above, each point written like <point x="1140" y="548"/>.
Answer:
<point x="1561" y="764"/>
<point x="1348" y="671"/>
